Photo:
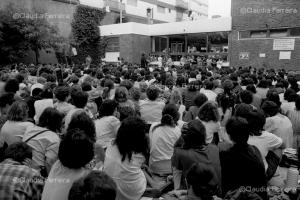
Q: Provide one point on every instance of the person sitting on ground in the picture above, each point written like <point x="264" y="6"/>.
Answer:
<point x="294" y="116"/>
<point x="62" y="93"/>
<point x="277" y="123"/>
<point x="14" y="128"/>
<point x="123" y="160"/>
<point x="108" y="124"/>
<point x="199" y="100"/>
<point x="256" y="98"/>
<point x="6" y="100"/>
<point x="45" y="102"/>
<point x="95" y="186"/>
<point x="18" y="180"/>
<point x="189" y="94"/>
<point x="242" y="164"/>
<point x="176" y="98"/>
<point x="151" y="108"/>
<point x="121" y="97"/>
<point x="163" y="136"/>
<point x="192" y="148"/>
<point x="44" y="139"/>
<point x="75" y="151"/>
<point x="263" y="140"/>
<point x="246" y="97"/>
<point x="210" y="117"/>
<point x="79" y="100"/>
<point x="208" y="90"/>
<point x="289" y="104"/>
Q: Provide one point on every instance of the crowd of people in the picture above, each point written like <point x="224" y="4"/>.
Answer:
<point x="124" y="132"/>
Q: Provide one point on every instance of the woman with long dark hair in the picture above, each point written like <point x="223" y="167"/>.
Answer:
<point x="125" y="157"/>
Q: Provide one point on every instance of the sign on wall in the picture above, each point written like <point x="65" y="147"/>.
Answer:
<point x="244" y="56"/>
<point x="283" y="44"/>
<point x="285" y="55"/>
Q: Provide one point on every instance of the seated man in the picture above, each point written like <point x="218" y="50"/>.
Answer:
<point x="242" y="164"/>
<point x="17" y="180"/>
<point x="96" y="185"/>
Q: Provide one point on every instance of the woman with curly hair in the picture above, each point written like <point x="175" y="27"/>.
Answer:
<point x="209" y="116"/>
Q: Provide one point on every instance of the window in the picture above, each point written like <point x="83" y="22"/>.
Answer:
<point x="161" y="9"/>
<point x="278" y="33"/>
<point x="113" y="44"/>
<point x="295" y="32"/>
<point x="132" y="2"/>
<point x="258" y="34"/>
<point x="244" y="34"/>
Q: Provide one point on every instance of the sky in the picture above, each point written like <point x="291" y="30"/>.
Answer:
<point x="219" y="7"/>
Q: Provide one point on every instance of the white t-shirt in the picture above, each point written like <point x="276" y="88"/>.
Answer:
<point x="211" y="95"/>
<point x="162" y="141"/>
<point x="40" y="106"/>
<point x="106" y="130"/>
<point x="265" y="142"/>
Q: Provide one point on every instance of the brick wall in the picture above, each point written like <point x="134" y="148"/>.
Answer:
<point x="263" y="14"/>
<point x="132" y="46"/>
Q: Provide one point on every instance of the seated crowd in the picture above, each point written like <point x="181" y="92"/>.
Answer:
<point x="126" y="132"/>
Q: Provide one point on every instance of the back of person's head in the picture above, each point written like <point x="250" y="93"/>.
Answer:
<point x="256" y="121"/>
<point x="227" y="86"/>
<point x="126" y="111"/>
<point x="82" y="121"/>
<point x="37" y="92"/>
<point x="152" y="93"/>
<point x="242" y="110"/>
<point x="109" y="84"/>
<point x="263" y="83"/>
<point x="170" y="116"/>
<point x="127" y="84"/>
<point x="51" y="119"/>
<point x="18" y="111"/>
<point x="272" y="95"/>
<point x="135" y="93"/>
<point x="203" y="180"/>
<point x="209" y="112"/>
<point x="270" y="108"/>
<point x="79" y="99"/>
<point x="193" y="134"/>
<point x="121" y="94"/>
<point x="297" y="102"/>
<point x="6" y="99"/>
<point x="62" y="92"/>
<point x="209" y="85"/>
<point x="246" y="97"/>
<point x="290" y="95"/>
<point x="131" y="137"/>
<point x="86" y="86"/>
<point x="95" y="186"/>
<point x="251" y="88"/>
<point x="12" y="85"/>
<point x="107" y="108"/>
<point x="200" y="99"/>
<point x="238" y="130"/>
<point x="76" y="149"/>
<point x="18" y="152"/>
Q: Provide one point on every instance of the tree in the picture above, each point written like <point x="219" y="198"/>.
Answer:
<point x="22" y="30"/>
<point x="86" y="34"/>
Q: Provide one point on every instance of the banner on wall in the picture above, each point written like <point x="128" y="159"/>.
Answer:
<point x="284" y="44"/>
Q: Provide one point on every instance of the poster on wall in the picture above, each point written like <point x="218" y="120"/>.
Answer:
<point x="283" y="44"/>
<point x="244" y="56"/>
<point x="262" y="55"/>
<point x="284" y="55"/>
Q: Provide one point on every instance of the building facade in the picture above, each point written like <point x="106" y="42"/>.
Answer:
<point x="265" y="34"/>
<point x="150" y="11"/>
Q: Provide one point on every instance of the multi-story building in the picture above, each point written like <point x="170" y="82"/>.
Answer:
<point x="150" y="11"/>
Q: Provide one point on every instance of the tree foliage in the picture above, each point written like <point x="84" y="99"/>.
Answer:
<point x="86" y="34"/>
<point x="22" y="30"/>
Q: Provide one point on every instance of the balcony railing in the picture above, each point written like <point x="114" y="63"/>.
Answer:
<point x="181" y="4"/>
<point x="114" y="5"/>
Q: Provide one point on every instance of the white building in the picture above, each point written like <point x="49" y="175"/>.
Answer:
<point x="151" y="11"/>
